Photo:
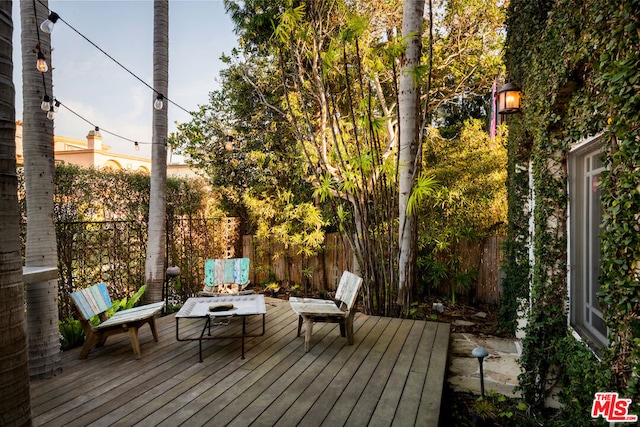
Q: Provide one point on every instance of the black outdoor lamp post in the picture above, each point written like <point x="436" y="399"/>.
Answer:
<point x="480" y="353"/>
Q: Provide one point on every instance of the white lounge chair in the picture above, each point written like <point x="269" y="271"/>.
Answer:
<point x="341" y="310"/>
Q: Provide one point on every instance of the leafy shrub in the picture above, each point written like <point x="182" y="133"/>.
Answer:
<point x="71" y="333"/>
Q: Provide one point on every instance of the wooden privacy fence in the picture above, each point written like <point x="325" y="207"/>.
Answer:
<point x="274" y="262"/>
<point x="113" y="252"/>
<point x="489" y="289"/>
<point x="484" y="258"/>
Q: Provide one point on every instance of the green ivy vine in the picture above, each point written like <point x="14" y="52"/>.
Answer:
<point x="578" y="64"/>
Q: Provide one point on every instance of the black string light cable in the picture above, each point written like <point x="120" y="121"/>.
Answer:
<point x="42" y="62"/>
<point x="48" y="104"/>
<point x="96" y="127"/>
<point x="51" y="105"/>
<point x="54" y="17"/>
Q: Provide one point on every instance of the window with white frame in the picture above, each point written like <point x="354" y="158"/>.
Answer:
<point x="585" y="217"/>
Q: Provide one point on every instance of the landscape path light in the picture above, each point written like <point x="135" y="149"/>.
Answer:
<point x="480" y="353"/>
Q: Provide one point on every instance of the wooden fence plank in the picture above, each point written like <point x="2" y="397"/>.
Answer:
<point x="323" y="271"/>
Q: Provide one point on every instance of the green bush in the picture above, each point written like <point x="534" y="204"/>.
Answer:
<point x="71" y="333"/>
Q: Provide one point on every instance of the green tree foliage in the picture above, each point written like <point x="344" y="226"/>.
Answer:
<point x="468" y="40"/>
<point x="241" y="141"/>
<point x="313" y="86"/>
<point x="299" y="225"/>
<point x="337" y="98"/>
<point x="467" y="202"/>
<point x="89" y="194"/>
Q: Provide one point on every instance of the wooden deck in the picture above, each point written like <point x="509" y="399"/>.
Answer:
<point x="392" y="375"/>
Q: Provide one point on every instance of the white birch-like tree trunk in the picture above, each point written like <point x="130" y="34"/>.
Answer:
<point x="15" y="405"/>
<point x="155" y="261"/>
<point x="39" y="168"/>
<point x="409" y="122"/>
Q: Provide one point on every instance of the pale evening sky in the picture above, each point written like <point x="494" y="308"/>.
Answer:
<point x="105" y="94"/>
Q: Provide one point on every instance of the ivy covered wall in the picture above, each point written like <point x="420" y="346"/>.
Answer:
<point x="578" y="64"/>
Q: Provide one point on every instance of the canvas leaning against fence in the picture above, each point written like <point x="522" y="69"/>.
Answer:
<point x="219" y="272"/>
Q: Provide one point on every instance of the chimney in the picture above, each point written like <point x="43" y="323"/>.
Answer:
<point x="94" y="139"/>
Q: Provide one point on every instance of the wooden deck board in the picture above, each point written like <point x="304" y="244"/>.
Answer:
<point x="412" y="394"/>
<point x="392" y="375"/>
<point x="365" y="406"/>
<point x="369" y="369"/>
<point x="344" y="374"/>
<point x="294" y="402"/>
<point x="430" y="407"/>
<point x="388" y="403"/>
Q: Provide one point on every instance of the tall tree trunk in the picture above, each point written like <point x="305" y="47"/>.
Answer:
<point x="15" y="405"/>
<point x="408" y="165"/>
<point x="154" y="267"/>
<point x="39" y="167"/>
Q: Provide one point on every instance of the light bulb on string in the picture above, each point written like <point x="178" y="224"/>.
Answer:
<point x="56" y="105"/>
<point x="47" y="24"/>
<point x="41" y="63"/>
<point x="46" y="103"/>
<point x="158" y="103"/>
<point x="135" y="143"/>
<point x="229" y="145"/>
<point x="51" y="114"/>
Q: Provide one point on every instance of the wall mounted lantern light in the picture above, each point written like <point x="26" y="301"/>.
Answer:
<point x="509" y="99"/>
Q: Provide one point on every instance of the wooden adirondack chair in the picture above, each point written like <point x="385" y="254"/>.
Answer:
<point x="95" y="300"/>
<point x="341" y="310"/>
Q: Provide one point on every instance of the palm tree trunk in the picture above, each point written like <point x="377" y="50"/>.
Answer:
<point x="15" y="405"/>
<point x="409" y="111"/>
<point x="154" y="267"/>
<point x="39" y="167"/>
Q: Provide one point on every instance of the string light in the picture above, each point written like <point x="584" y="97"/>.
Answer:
<point x="47" y="24"/>
<point x="97" y="128"/>
<point x="159" y="95"/>
<point x="46" y="103"/>
<point x="41" y="63"/>
<point x="158" y="104"/>
<point x="53" y="107"/>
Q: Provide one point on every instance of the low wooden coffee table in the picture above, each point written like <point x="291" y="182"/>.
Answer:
<point x="243" y="306"/>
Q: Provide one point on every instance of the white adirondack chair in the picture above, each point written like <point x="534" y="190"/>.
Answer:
<point x="341" y="310"/>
